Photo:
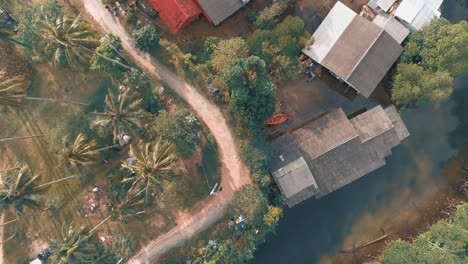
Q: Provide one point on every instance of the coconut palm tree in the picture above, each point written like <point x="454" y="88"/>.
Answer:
<point x="129" y="204"/>
<point x="13" y="92"/>
<point x="152" y="164"/>
<point x="66" y="40"/>
<point x="78" y="153"/>
<point x="75" y="246"/>
<point x="120" y="116"/>
<point x="21" y="189"/>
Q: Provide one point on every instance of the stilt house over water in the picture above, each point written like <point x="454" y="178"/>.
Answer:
<point x="354" y="49"/>
<point x="333" y="151"/>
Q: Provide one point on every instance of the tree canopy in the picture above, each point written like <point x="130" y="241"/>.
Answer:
<point x="432" y="58"/>
<point x="267" y="18"/>
<point x="152" y="164"/>
<point x="249" y="202"/>
<point x="251" y="91"/>
<point x="445" y="242"/>
<point x="146" y="38"/>
<point x="228" y="50"/>
<point x="110" y="47"/>
<point x="413" y="85"/>
<point x="178" y="129"/>
<point x="279" y="47"/>
<point x="55" y="36"/>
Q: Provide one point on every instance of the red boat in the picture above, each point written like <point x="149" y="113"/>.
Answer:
<point x="277" y="119"/>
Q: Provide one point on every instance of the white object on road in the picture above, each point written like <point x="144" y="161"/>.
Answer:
<point x="213" y="191"/>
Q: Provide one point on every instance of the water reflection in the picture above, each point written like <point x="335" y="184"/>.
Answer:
<point x="388" y="198"/>
<point x="391" y="200"/>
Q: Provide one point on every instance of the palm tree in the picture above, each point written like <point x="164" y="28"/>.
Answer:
<point x="152" y="164"/>
<point x="75" y="246"/>
<point x="121" y="115"/>
<point x="129" y="204"/>
<point x="22" y="189"/>
<point x="13" y="92"/>
<point x="67" y="40"/>
<point x="78" y="153"/>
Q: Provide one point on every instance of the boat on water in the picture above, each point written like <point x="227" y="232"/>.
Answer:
<point x="277" y="119"/>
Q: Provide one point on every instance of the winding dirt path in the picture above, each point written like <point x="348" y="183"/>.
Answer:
<point x="234" y="174"/>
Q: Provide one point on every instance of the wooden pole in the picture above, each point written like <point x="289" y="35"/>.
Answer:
<point x="56" y="181"/>
<point x="18" y="138"/>
<point x="55" y="100"/>
<point x="108" y="147"/>
<point x="9" y="222"/>
<point x="364" y="245"/>
<point x="98" y="225"/>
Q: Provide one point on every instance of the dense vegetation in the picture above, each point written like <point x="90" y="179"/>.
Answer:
<point x="445" y="242"/>
<point x="246" y="70"/>
<point x="433" y="57"/>
<point x="146" y="38"/>
<point x="123" y="134"/>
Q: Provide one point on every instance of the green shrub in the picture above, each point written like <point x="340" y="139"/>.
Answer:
<point x="146" y="38"/>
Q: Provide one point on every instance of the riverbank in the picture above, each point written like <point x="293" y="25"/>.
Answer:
<point x="393" y="200"/>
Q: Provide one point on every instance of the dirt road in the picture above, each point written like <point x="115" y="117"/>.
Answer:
<point x="234" y="174"/>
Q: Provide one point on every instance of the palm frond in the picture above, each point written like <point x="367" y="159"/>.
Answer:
<point x="152" y="164"/>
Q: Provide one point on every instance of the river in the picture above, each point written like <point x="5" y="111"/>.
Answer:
<point x="391" y="200"/>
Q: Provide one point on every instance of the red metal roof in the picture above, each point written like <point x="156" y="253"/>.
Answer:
<point x="176" y="13"/>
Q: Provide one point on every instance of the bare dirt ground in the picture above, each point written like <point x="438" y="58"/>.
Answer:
<point x="234" y="174"/>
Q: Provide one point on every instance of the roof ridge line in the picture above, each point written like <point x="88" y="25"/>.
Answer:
<point x="365" y="53"/>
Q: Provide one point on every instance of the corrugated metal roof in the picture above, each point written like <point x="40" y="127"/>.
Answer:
<point x="393" y="27"/>
<point x="385" y="4"/>
<point x="418" y="13"/>
<point x="424" y="17"/>
<point x="373" y="4"/>
<point x="218" y="10"/>
<point x="436" y="4"/>
<point x="375" y="63"/>
<point x="352" y="48"/>
<point x="332" y="27"/>
<point x="176" y="13"/>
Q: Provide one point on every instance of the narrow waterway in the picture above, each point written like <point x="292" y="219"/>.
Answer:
<point x="391" y="200"/>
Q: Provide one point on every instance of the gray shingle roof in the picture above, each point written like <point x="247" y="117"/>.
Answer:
<point x="219" y="10"/>
<point x="334" y="151"/>
<point x="400" y="127"/>
<point x="325" y="134"/>
<point x="371" y="123"/>
<point x="291" y="172"/>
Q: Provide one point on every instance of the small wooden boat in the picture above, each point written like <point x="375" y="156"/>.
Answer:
<point x="277" y="119"/>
